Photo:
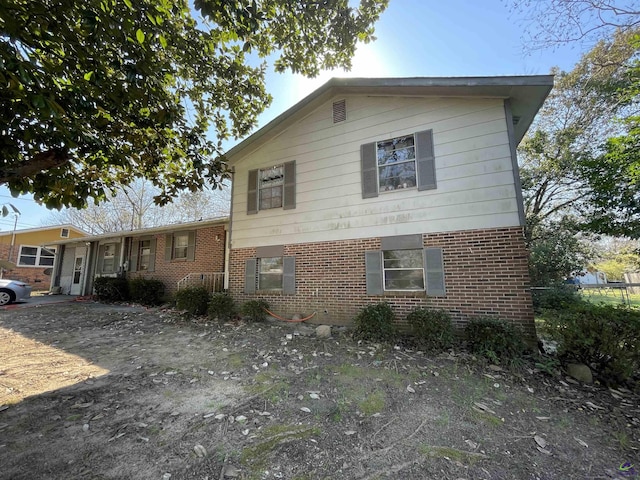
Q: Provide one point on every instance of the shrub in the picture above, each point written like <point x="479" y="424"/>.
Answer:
<point x="254" y="310"/>
<point x="494" y="339"/>
<point x="111" y="289"/>
<point x="221" y="306"/>
<point x="146" y="291"/>
<point x="375" y="323"/>
<point x="605" y="337"/>
<point x="556" y="297"/>
<point x="194" y="300"/>
<point x="431" y="328"/>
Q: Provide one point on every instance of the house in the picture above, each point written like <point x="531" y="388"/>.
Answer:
<point x="404" y="190"/>
<point x="32" y="252"/>
<point x="187" y="253"/>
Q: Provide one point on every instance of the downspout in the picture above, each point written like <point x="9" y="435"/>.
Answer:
<point x="227" y="249"/>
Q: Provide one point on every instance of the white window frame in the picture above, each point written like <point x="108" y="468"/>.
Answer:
<point x="270" y="179"/>
<point x="109" y="247"/>
<point x="143" y="266"/>
<point x="389" y="269"/>
<point x="38" y="256"/>
<point x="178" y="247"/>
<point x="391" y="153"/>
<point x="272" y="273"/>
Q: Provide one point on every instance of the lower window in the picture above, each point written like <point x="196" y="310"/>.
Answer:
<point x="270" y="271"/>
<point x="403" y="270"/>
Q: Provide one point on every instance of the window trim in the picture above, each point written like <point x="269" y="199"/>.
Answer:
<point x="38" y="256"/>
<point x="252" y="272"/>
<point x="396" y="269"/>
<point x="288" y="188"/>
<point x="169" y="246"/>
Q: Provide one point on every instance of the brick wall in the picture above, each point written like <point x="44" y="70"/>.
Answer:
<point x="209" y="257"/>
<point x="485" y="274"/>
<point x="34" y="276"/>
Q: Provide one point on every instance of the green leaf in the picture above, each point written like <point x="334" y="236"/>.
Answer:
<point x="162" y="40"/>
<point x="88" y="75"/>
<point x="140" y="36"/>
<point x="128" y="4"/>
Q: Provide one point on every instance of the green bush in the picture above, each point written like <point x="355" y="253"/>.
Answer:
<point x="375" y="323"/>
<point x="146" y="291"/>
<point x="254" y="310"/>
<point x="221" y="306"/>
<point x="193" y="300"/>
<point x="494" y="339"/>
<point x="556" y="297"/>
<point x="605" y="337"/>
<point x="431" y="328"/>
<point x="111" y="289"/>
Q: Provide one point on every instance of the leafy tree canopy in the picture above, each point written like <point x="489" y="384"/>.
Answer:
<point x="95" y="93"/>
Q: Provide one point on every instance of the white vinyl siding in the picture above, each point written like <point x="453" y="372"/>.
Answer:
<point x="475" y="188"/>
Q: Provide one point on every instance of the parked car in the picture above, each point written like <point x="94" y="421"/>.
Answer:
<point x="13" y="290"/>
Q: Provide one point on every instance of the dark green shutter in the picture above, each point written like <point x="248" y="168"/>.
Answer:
<point x="373" y="262"/>
<point x="289" y="200"/>
<point x="252" y="192"/>
<point x="191" y="247"/>
<point x="101" y="259"/>
<point x="434" y="272"/>
<point x="289" y="275"/>
<point x="426" y="161"/>
<point x="168" y="247"/>
<point x="369" y="170"/>
<point x="250" y="275"/>
<point x="152" y="255"/>
<point x="135" y="251"/>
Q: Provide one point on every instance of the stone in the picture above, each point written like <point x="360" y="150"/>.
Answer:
<point x="323" y="331"/>
<point x="580" y="372"/>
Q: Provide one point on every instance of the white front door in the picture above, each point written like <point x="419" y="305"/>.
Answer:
<point x="77" y="278"/>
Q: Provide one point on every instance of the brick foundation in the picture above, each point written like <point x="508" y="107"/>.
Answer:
<point x="485" y="274"/>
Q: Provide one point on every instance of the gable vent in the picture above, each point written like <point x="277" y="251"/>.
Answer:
<point x="516" y="120"/>
<point x="339" y="111"/>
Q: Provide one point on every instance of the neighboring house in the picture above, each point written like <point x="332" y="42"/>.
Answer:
<point x="398" y="190"/>
<point x="193" y="253"/>
<point x="32" y="252"/>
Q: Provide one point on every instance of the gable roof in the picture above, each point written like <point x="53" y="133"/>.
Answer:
<point x="44" y="229"/>
<point x="525" y="93"/>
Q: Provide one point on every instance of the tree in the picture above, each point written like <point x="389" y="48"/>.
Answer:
<point x="132" y="207"/>
<point x="579" y="115"/>
<point x="550" y="23"/>
<point x="99" y="92"/>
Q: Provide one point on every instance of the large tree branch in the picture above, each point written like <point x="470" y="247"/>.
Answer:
<point x="40" y="162"/>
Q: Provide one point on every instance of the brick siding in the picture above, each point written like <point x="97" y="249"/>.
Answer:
<point x="209" y="257"/>
<point x="486" y="273"/>
<point x="34" y="276"/>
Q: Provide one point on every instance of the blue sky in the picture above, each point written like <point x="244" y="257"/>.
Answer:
<point x="414" y="38"/>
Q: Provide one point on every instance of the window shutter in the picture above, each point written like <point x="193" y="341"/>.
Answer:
<point x="426" y="162"/>
<point x="101" y="259"/>
<point x="373" y="261"/>
<point x="168" y="247"/>
<point x="152" y="255"/>
<point x="369" y="170"/>
<point x="289" y="275"/>
<point x="135" y="251"/>
<point x="250" y="275"/>
<point x="191" y="247"/>
<point x="434" y="272"/>
<point x="289" y="193"/>
<point x="252" y="192"/>
<point x="116" y="259"/>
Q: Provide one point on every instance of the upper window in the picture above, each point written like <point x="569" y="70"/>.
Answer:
<point x="273" y="187"/>
<point x="403" y="269"/>
<point x="64" y="232"/>
<point x="144" y="254"/>
<point x="396" y="163"/>
<point x="36" y="256"/>
<point x="270" y="186"/>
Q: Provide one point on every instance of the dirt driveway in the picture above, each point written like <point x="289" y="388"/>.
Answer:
<point x="91" y="391"/>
